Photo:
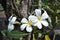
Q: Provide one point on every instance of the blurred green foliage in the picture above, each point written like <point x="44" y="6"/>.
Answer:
<point x="57" y="37"/>
<point x="52" y="5"/>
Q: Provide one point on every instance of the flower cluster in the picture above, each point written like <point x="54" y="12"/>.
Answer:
<point x="37" y="20"/>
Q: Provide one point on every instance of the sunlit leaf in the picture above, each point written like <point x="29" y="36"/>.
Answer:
<point x="47" y="37"/>
<point x="58" y="11"/>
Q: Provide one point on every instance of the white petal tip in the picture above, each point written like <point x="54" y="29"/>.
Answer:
<point x="29" y="29"/>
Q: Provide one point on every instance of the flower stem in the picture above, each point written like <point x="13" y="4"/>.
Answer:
<point x="33" y="37"/>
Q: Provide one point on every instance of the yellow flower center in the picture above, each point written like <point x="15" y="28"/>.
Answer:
<point x="39" y="18"/>
<point x="29" y="23"/>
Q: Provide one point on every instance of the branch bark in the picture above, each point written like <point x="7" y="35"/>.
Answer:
<point x="24" y="8"/>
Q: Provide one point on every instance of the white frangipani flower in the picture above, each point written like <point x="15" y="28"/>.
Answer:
<point x="11" y="22"/>
<point x="39" y="19"/>
<point x="26" y="24"/>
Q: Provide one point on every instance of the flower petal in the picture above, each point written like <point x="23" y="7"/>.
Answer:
<point x="24" y="20"/>
<point x="45" y="23"/>
<point x="39" y="25"/>
<point x="33" y="18"/>
<point x="49" y="19"/>
<point x="45" y="15"/>
<point x="10" y="18"/>
<point x="10" y="27"/>
<point x="23" y="26"/>
<point x="13" y="20"/>
<point x="29" y="29"/>
<point x="38" y="12"/>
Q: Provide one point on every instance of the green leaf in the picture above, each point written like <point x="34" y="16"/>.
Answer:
<point x="47" y="7"/>
<point x="4" y="32"/>
<point x="14" y="34"/>
<point x="57" y="11"/>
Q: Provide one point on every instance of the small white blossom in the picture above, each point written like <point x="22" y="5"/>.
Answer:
<point x="39" y="19"/>
<point x="26" y="24"/>
<point x="11" y="22"/>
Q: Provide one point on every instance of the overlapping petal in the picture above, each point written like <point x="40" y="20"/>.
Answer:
<point x="13" y="20"/>
<point x="39" y="25"/>
<point x="24" y="20"/>
<point x="23" y="26"/>
<point x="44" y="15"/>
<point x="29" y="29"/>
<point x="38" y="12"/>
<point x="10" y="18"/>
<point x="10" y="27"/>
<point x="33" y="18"/>
<point x="45" y="23"/>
